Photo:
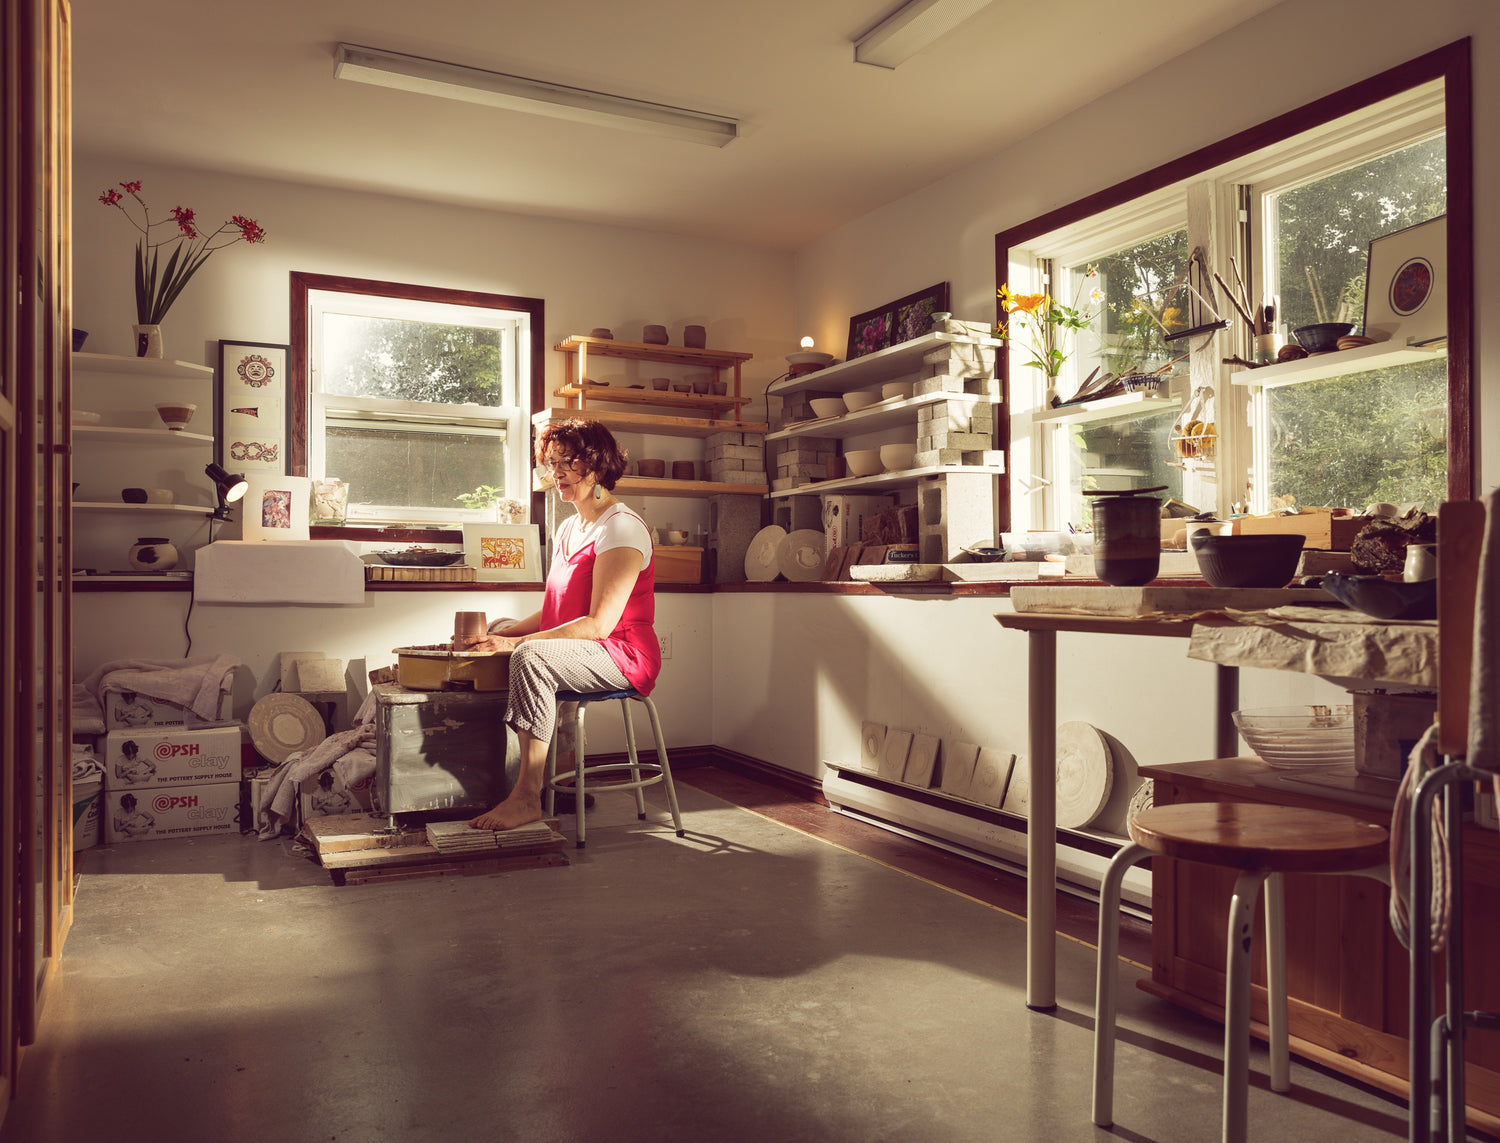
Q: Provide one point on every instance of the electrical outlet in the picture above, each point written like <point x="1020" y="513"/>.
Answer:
<point x="666" y="644"/>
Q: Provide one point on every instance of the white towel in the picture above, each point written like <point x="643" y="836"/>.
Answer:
<point x="197" y="684"/>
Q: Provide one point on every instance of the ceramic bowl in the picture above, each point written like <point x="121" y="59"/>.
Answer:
<point x="896" y="391"/>
<point x="895" y="457"/>
<point x="674" y="537"/>
<point x="863" y="461"/>
<point x="827" y="406"/>
<point x="684" y="470"/>
<point x="1384" y="598"/>
<point x="653" y="468"/>
<point x="860" y="399"/>
<point x="1322" y="337"/>
<point x="429" y="559"/>
<point x="1268" y="560"/>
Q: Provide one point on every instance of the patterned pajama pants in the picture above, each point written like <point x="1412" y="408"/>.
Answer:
<point x="541" y="668"/>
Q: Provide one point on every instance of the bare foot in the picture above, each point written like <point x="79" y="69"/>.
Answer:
<point x="517" y="810"/>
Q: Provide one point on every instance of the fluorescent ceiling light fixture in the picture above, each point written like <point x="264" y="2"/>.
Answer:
<point x="911" y="28"/>
<point x="514" y="93"/>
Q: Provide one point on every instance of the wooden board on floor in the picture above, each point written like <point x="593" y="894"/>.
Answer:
<point x="343" y="833"/>
<point x="467" y="867"/>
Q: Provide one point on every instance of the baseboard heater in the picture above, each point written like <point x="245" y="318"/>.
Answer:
<point x="986" y="835"/>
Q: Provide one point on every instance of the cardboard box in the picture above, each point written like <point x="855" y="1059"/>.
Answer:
<point x="844" y="518"/>
<point x="127" y="709"/>
<point x="171" y="756"/>
<point x="676" y="563"/>
<point x="152" y="812"/>
<point x="324" y="795"/>
<point x="1321" y="529"/>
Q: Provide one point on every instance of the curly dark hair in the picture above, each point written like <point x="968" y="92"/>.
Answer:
<point x="589" y="444"/>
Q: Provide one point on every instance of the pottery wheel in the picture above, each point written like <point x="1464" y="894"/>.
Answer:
<point x="801" y="555"/>
<point x="1085" y="774"/>
<point x="282" y="724"/>
<point x="762" y="564"/>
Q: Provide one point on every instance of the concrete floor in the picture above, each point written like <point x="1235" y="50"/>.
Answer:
<point x="746" y="982"/>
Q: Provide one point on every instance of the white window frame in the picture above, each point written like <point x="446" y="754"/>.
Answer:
<point x="509" y="422"/>
<point x="1209" y="204"/>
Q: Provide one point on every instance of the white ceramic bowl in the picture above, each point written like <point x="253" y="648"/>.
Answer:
<point x="863" y="461"/>
<point x="860" y="399"/>
<point x="895" y="457"/>
<point x="158" y="496"/>
<point x="827" y="406"/>
<point x="895" y="390"/>
<point x="674" y="537"/>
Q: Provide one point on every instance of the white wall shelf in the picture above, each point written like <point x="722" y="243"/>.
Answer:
<point x="883" y="415"/>
<point x="121" y="506"/>
<point x="1340" y="363"/>
<point x="889" y="481"/>
<point x="648" y="424"/>
<point x="1107" y="409"/>
<point x="150" y="368"/>
<point x="876" y="368"/>
<point x="120" y="434"/>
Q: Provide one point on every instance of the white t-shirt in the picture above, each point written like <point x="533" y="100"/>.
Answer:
<point x="618" y="527"/>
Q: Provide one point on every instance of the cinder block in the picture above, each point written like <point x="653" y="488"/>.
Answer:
<point x="744" y="452"/>
<point x="721" y="440"/>
<point x="941" y="383"/>
<point x="740" y="477"/>
<point x="930" y="457"/>
<point x="732" y="524"/>
<point x="796" y="513"/>
<point x="964" y="441"/>
<point x="950" y="416"/>
<point x="719" y="464"/>
<point x="954" y="510"/>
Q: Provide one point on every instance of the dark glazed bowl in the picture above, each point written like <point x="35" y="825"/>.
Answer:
<point x="1268" y="560"/>
<point x="1383" y="598"/>
<point x="1322" y="337"/>
<point x="421" y="559"/>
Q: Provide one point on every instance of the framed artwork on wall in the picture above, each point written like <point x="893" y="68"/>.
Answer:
<point x="504" y="552"/>
<point x="1406" y="291"/>
<point x="250" y="405"/>
<point x="895" y="322"/>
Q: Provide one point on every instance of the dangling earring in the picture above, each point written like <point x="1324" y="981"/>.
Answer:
<point x="598" y="492"/>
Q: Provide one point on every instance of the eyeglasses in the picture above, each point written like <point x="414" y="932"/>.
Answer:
<point x="560" y="463"/>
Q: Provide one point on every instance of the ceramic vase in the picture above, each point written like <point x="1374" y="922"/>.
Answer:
<point x="148" y="341"/>
<point x="153" y="553"/>
<point x="1127" y="539"/>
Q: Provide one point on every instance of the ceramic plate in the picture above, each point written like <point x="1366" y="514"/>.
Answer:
<point x="282" y="724"/>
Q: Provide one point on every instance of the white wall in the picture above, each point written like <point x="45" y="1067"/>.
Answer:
<point x="588" y="275"/>
<point x="946" y="667"/>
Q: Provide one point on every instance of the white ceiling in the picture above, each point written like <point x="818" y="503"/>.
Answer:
<point x="248" y="88"/>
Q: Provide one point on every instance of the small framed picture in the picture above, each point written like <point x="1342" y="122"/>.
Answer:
<point x="912" y="315"/>
<point x="1406" y="292"/>
<point x="250" y="407"/>
<point x="504" y="552"/>
<point x="868" y="332"/>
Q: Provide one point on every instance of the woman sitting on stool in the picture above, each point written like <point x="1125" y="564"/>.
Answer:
<point x="594" y="631"/>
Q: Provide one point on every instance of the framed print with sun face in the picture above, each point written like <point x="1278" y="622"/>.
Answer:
<point x="250" y="407"/>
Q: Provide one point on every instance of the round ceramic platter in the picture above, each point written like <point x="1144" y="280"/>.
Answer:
<point x="282" y="724"/>
<point x="801" y="556"/>
<point x="762" y="560"/>
<point x="1085" y="774"/>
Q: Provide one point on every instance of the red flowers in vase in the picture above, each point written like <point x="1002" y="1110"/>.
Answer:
<point x="156" y="286"/>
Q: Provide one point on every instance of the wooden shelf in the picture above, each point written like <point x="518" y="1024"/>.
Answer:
<point x="1340" y="363"/>
<point x="154" y="437"/>
<point x="882" y="415"/>
<point x="153" y="367"/>
<point x="888" y="481"/>
<point x="1126" y="404"/>
<point x="646" y="486"/>
<point x="652" y="425"/>
<point x="874" y="368"/>
<point x="653" y="398"/>
<point x="640" y="351"/>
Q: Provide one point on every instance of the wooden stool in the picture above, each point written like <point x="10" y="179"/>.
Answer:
<point x="1261" y="842"/>
<point x="641" y="774"/>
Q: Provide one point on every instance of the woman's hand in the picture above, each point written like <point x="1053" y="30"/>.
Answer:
<point x="485" y="643"/>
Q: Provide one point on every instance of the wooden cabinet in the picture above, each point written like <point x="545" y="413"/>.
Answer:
<point x="635" y="407"/>
<point x="1347" y="975"/>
